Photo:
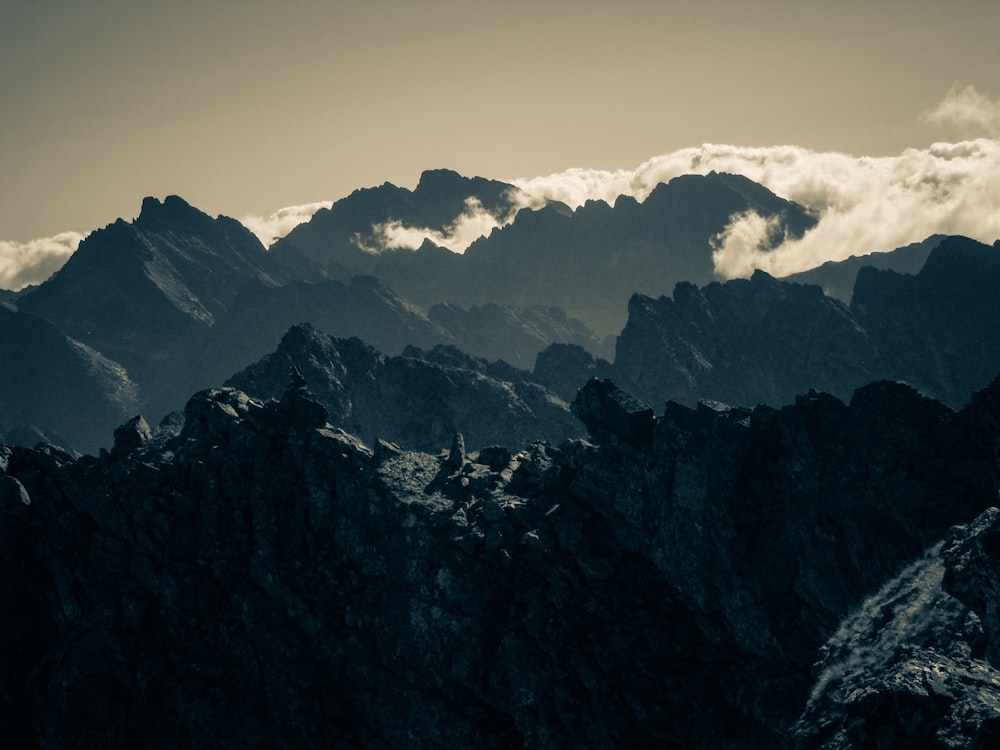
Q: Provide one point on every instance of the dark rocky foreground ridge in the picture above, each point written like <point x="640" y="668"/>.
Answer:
<point x="263" y="579"/>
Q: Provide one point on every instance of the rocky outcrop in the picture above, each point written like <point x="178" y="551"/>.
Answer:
<point x="744" y="342"/>
<point x="418" y="401"/>
<point x="936" y="329"/>
<point x="761" y="340"/>
<point x="262" y="578"/>
<point x="916" y="665"/>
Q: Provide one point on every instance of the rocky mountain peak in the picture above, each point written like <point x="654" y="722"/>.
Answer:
<point x="133" y="288"/>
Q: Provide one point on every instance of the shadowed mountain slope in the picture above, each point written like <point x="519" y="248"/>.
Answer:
<point x="837" y="277"/>
<point x="936" y="329"/>
<point x="762" y="340"/>
<point x="132" y="288"/>
<point x="58" y="389"/>
<point x="416" y="403"/>
<point x="587" y="262"/>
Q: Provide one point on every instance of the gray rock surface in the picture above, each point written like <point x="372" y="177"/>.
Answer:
<point x="263" y="579"/>
<point x="418" y="402"/>
<point x="761" y="340"/>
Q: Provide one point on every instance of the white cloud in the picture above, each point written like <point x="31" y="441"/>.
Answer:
<point x="969" y="111"/>
<point x="473" y="223"/>
<point x="281" y="222"/>
<point x="744" y="244"/>
<point x="24" y="263"/>
<point x="864" y="204"/>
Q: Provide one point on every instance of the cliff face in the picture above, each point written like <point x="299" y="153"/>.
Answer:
<point x="263" y="579"/>
<point x="760" y="340"/>
<point x="745" y="342"/>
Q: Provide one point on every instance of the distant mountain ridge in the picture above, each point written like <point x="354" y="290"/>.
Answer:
<point x="336" y="240"/>
<point x="837" y="277"/>
<point x="179" y="301"/>
<point x="763" y="340"/>
<point x="131" y="288"/>
<point x="587" y="262"/>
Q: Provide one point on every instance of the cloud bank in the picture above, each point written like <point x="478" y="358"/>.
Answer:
<point x="868" y="205"/>
<point x="24" y="263"/>
<point x="281" y="222"/>
<point x="864" y="204"/>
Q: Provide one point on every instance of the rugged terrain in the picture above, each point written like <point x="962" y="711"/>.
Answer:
<point x="387" y="532"/>
<point x="418" y="401"/>
<point x="261" y="578"/>
<point x="177" y="301"/>
<point x="763" y="340"/>
<point x="587" y="262"/>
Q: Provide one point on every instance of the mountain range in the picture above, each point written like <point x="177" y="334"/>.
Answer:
<point x="761" y="340"/>
<point x="392" y="495"/>
<point x="179" y="301"/>
<point x="588" y="262"/>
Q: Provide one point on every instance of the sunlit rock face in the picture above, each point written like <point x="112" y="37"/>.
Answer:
<point x="916" y="664"/>
<point x="259" y="577"/>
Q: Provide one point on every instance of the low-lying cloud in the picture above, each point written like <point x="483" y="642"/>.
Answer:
<point x="281" y="222"/>
<point x="864" y="204"/>
<point x="474" y="222"/>
<point x="872" y="205"/>
<point x="24" y="263"/>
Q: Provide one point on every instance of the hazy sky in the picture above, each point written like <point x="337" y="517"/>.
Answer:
<point x="246" y="107"/>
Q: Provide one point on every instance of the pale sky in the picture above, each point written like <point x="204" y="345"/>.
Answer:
<point x="246" y="107"/>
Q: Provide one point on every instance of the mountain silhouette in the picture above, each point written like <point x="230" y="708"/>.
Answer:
<point x="587" y="262"/>
<point x="332" y="242"/>
<point x="761" y="340"/>
<point x="133" y="287"/>
<point x="414" y="402"/>
<point x="837" y="277"/>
